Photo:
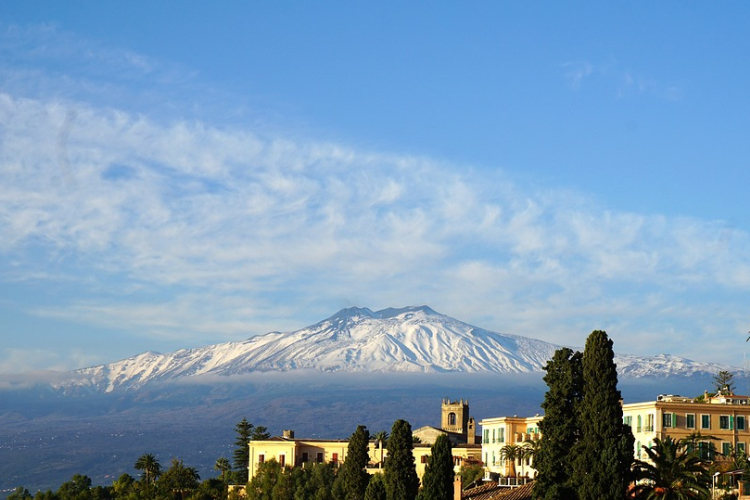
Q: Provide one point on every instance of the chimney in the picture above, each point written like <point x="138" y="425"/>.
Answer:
<point x="457" y="487"/>
<point x="288" y="434"/>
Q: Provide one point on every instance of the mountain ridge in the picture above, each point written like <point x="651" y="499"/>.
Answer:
<point x="357" y="339"/>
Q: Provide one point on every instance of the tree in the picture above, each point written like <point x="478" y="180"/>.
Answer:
<point x="244" y="430"/>
<point x="559" y="428"/>
<point x="353" y="474"/>
<point x="78" y="488"/>
<point x="437" y="481"/>
<point x="150" y="466"/>
<point x="400" y="475"/>
<point x="604" y="454"/>
<point x="670" y="473"/>
<point x="265" y="480"/>
<point x="376" y="488"/>
<point x="510" y="453"/>
<point x="179" y="479"/>
<point x="20" y="493"/>
<point x="724" y="382"/>
<point x="222" y="464"/>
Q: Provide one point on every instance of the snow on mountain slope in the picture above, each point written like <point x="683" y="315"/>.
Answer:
<point x="411" y="339"/>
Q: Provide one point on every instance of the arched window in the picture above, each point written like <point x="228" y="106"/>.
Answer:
<point x="451" y="418"/>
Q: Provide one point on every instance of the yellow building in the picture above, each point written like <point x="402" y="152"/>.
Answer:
<point x="724" y="417"/>
<point x="289" y="451"/>
<point x="499" y="432"/>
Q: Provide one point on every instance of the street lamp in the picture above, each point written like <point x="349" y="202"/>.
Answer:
<point x="713" y="481"/>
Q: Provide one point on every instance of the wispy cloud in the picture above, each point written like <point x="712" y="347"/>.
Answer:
<point x="184" y="228"/>
<point x="623" y="82"/>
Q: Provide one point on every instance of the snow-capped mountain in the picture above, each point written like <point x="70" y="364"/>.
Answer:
<point x="411" y="339"/>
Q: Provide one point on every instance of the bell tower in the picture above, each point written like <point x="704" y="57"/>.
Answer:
<point x="455" y="417"/>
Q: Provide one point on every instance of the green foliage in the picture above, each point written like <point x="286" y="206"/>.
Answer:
<point x="78" y="488"/>
<point x="20" y="493"/>
<point x="559" y="428"/>
<point x="353" y="474"/>
<point x="376" y="488"/>
<point x="470" y="473"/>
<point x="179" y="479"/>
<point x="224" y="467"/>
<point x="437" y="482"/>
<point x="670" y="472"/>
<point x="241" y="455"/>
<point x="724" y="382"/>
<point x="401" y="481"/>
<point x="604" y="453"/>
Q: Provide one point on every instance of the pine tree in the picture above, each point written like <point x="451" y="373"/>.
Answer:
<point x="604" y="453"/>
<point x="724" y="382"/>
<point x="244" y="430"/>
<point x="437" y="482"/>
<point x="559" y="428"/>
<point x="353" y="476"/>
<point x="401" y="481"/>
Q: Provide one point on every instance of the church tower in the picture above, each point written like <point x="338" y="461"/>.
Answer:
<point x="455" y="417"/>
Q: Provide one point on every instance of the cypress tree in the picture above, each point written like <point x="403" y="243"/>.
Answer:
<point x="559" y="428"/>
<point x="604" y="453"/>
<point x="437" y="482"/>
<point x="376" y="488"/>
<point x="353" y="476"/>
<point x="401" y="481"/>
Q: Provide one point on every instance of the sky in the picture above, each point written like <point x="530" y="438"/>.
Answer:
<point x="179" y="174"/>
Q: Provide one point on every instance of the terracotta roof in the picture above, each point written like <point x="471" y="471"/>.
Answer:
<point x="484" y="492"/>
<point x="520" y="493"/>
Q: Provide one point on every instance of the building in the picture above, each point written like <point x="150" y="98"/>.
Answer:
<point x="455" y="421"/>
<point x="290" y="451"/>
<point x="725" y="417"/>
<point x="499" y="432"/>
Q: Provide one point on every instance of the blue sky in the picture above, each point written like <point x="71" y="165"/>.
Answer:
<point x="178" y="174"/>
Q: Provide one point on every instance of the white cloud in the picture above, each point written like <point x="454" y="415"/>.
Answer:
<point x="186" y="229"/>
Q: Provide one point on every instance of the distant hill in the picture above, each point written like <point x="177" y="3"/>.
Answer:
<point x="408" y="340"/>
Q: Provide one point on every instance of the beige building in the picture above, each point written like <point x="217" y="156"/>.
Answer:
<point x="499" y="432"/>
<point x="290" y="451"/>
<point x="724" y="417"/>
<point x="455" y="422"/>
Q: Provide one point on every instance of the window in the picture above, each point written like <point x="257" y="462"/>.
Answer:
<point x="726" y="449"/>
<point x="485" y="459"/>
<point x="706" y="451"/>
<point x="261" y="458"/>
<point x="305" y="457"/>
<point x="486" y="436"/>
<point x="493" y="435"/>
<point x="724" y="422"/>
<point x="740" y="423"/>
<point x="424" y="459"/>
<point x="628" y="420"/>
<point x="451" y="418"/>
<point x="319" y="458"/>
<point x="705" y="421"/>
<point x="649" y="423"/>
<point x="669" y="420"/>
<point x="501" y="439"/>
<point x="493" y="457"/>
<point x="740" y="448"/>
<point x="690" y="421"/>
<point x="335" y="458"/>
<point x="282" y="460"/>
<point x="640" y="426"/>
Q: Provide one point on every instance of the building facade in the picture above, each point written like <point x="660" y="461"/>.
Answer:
<point x="723" y="417"/>
<point x="498" y="433"/>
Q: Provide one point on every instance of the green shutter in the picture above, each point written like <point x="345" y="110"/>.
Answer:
<point x="674" y="420"/>
<point x="731" y="423"/>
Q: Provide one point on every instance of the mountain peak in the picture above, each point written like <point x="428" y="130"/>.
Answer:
<point x="356" y="339"/>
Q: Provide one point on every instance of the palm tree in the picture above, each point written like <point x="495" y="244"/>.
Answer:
<point x="510" y="452"/>
<point x="528" y="450"/>
<point x="150" y="466"/>
<point x="670" y="473"/>
<point x="381" y="437"/>
<point x="222" y="464"/>
<point x="180" y="479"/>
